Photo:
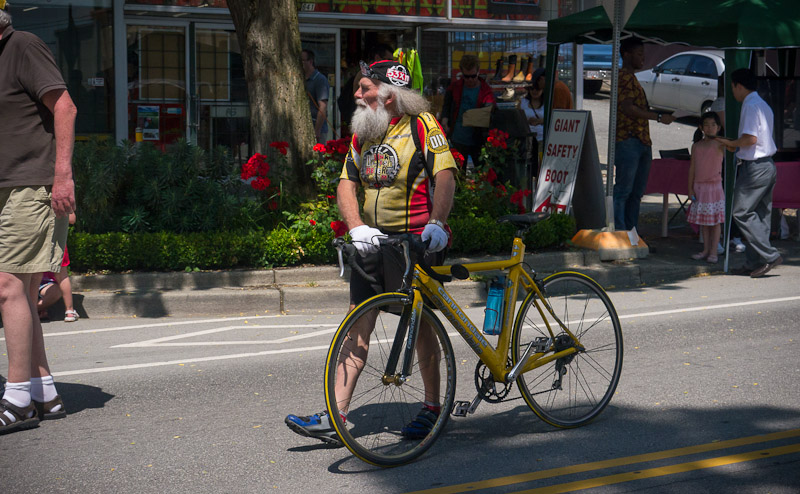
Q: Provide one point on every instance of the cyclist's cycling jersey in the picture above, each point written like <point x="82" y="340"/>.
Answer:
<point x="398" y="195"/>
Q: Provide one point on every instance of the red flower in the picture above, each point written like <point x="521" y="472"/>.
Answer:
<point x="458" y="157"/>
<point x="331" y="197"/>
<point x="339" y="228"/>
<point x="319" y="148"/>
<point x="517" y="198"/>
<point x="491" y="176"/>
<point x="248" y="170"/>
<point x="313" y="223"/>
<point x="281" y="146"/>
<point x="273" y="205"/>
<point x="260" y="183"/>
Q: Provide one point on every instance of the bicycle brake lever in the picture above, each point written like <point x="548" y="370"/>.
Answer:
<point x="341" y="261"/>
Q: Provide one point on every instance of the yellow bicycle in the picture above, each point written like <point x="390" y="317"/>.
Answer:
<point x="562" y="345"/>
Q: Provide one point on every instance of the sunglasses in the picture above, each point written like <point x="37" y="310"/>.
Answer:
<point x="366" y="71"/>
<point x="469" y="76"/>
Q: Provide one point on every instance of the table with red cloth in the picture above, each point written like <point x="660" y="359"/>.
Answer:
<point x="671" y="176"/>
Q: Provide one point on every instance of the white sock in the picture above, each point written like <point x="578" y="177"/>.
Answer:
<point x="18" y="394"/>
<point x="43" y="389"/>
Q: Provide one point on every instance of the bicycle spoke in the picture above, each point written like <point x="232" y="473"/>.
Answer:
<point x="586" y="382"/>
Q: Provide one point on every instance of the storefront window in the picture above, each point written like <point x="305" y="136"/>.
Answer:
<point x="223" y="4"/>
<point x="426" y="8"/>
<point x="81" y="39"/>
<point x="156" y="84"/>
<point x="223" y="112"/>
<point x="442" y="51"/>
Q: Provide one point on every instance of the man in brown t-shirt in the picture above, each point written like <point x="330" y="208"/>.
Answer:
<point x="633" y="149"/>
<point x="37" y="129"/>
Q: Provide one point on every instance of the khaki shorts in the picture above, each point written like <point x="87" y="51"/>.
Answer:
<point x="32" y="239"/>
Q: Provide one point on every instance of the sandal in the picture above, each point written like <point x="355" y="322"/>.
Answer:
<point x="699" y="256"/>
<point x="45" y="410"/>
<point x="712" y="259"/>
<point x="24" y="417"/>
<point x="71" y="316"/>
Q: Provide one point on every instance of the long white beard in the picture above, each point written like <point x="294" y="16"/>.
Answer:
<point x="369" y="124"/>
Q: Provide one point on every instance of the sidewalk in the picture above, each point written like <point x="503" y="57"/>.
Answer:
<point x="319" y="288"/>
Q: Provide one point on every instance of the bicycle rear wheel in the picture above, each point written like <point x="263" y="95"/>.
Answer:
<point x="377" y="406"/>
<point x="573" y="390"/>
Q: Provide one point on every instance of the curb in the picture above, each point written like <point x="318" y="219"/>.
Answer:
<point x="319" y="288"/>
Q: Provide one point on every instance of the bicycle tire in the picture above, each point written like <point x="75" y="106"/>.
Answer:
<point x="378" y="411"/>
<point x="592" y="375"/>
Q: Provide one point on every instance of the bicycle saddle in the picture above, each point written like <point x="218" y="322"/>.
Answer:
<point x="523" y="220"/>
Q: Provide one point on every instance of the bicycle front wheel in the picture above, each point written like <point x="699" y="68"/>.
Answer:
<point x="572" y="390"/>
<point x="380" y="407"/>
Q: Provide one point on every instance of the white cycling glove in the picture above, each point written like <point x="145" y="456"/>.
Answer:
<point x="437" y="236"/>
<point x="366" y="239"/>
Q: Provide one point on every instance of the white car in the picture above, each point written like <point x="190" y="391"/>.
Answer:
<point x="685" y="83"/>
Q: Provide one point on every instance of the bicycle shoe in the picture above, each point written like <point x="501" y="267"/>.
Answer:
<point x="317" y="426"/>
<point x="422" y="425"/>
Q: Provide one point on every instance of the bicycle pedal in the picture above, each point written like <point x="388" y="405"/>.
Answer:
<point x="461" y="408"/>
<point x="541" y="345"/>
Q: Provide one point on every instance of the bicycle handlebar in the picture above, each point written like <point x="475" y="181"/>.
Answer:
<point x="405" y="240"/>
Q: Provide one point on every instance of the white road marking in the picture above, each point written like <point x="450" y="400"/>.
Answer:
<point x="154" y="325"/>
<point x="163" y="341"/>
<point x="326" y="347"/>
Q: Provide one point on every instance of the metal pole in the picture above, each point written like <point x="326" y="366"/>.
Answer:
<point x="616" y="24"/>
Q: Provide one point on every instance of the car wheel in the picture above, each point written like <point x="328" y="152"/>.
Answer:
<point x="591" y="86"/>
<point x="706" y="106"/>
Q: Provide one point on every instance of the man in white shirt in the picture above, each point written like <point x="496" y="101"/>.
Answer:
<point x="752" y="197"/>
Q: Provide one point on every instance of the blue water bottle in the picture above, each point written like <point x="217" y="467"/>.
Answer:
<point x="492" y="322"/>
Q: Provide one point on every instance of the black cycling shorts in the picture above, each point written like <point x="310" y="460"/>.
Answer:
<point x="387" y="267"/>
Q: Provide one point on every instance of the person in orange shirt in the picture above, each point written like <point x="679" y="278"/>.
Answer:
<point x="562" y="97"/>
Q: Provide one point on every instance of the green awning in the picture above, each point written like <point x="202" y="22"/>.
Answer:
<point x="724" y="24"/>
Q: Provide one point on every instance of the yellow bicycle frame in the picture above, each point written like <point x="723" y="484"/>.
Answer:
<point x="494" y="358"/>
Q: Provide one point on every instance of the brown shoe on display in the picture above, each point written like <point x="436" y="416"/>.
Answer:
<point x="520" y="77"/>
<point x="766" y="268"/>
<point x="498" y="73"/>
<point x="512" y="67"/>
<point x="529" y="72"/>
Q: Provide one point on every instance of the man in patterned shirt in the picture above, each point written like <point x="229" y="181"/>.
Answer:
<point x="633" y="147"/>
<point x="397" y="151"/>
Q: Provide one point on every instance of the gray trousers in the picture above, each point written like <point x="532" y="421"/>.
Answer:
<point x="752" y="209"/>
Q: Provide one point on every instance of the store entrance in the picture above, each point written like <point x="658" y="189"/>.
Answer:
<point x="186" y="80"/>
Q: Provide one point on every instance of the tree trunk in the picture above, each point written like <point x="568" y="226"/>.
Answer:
<point x="269" y="38"/>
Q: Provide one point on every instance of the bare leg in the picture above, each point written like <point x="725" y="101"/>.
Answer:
<point x="15" y="308"/>
<point x="353" y="358"/>
<point x="39" y="367"/>
<point x="62" y="277"/>
<point x="429" y="354"/>
<point x="714" y="233"/>
<point x="49" y="295"/>
<point x="709" y="243"/>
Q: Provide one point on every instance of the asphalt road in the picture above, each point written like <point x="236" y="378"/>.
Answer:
<point x="195" y="406"/>
<point x="676" y="135"/>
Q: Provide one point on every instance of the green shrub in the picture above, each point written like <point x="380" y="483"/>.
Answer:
<point x="170" y="251"/>
<point x="482" y="234"/>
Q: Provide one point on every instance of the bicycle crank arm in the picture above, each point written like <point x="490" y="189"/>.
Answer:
<point x="514" y="372"/>
<point x="462" y="408"/>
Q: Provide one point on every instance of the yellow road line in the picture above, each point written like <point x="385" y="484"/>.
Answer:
<point x="596" y="465"/>
<point x="668" y="470"/>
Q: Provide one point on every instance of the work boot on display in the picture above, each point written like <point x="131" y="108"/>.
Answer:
<point x="498" y="73"/>
<point x="529" y="71"/>
<point x="512" y="66"/>
<point x="520" y="77"/>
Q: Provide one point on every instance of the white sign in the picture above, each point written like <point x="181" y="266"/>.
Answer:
<point x="560" y="159"/>
<point x="96" y="82"/>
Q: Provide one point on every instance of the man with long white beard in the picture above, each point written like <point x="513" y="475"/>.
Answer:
<point x="396" y="150"/>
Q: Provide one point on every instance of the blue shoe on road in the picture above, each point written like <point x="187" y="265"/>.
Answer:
<point x="317" y="426"/>
<point x="421" y="426"/>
